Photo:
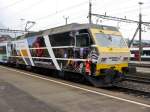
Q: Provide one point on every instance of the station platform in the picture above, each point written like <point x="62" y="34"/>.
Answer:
<point x="22" y="91"/>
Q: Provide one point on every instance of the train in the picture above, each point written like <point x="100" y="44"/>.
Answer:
<point x="97" y="52"/>
<point x="135" y="54"/>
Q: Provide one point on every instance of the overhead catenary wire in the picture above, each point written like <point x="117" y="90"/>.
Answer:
<point x="79" y="13"/>
<point x="129" y="11"/>
<point x="58" y="23"/>
<point x="55" y="13"/>
<point x="76" y="6"/>
<point x="118" y="10"/>
<point x="31" y="6"/>
<point x="108" y="4"/>
<point x="62" y="10"/>
<point x="12" y="4"/>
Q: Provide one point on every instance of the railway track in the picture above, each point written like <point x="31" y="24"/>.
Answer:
<point x="140" y="79"/>
<point x="133" y="92"/>
<point x="136" y="83"/>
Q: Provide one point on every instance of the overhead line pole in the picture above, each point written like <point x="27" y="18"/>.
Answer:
<point x="90" y="12"/>
<point x="140" y="31"/>
<point x="136" y="31"/>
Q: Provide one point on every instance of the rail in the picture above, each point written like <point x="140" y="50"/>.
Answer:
<point x="139" y="79"/>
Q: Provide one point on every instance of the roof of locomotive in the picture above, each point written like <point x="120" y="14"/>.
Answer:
<point x="76" y="26"/>
<point x="70" y="27"/>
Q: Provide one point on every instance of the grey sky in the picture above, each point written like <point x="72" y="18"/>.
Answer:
<point x="49" y="13"/>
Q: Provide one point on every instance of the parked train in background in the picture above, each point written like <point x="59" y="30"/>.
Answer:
<point x="135" y="54"/>
<point x="97" y="52"/>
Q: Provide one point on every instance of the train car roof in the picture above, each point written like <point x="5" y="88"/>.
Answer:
<point x="76" y="26"/>
<point x="70" y="27"/>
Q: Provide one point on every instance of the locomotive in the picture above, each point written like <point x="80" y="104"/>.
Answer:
<point x="97" y="52"/>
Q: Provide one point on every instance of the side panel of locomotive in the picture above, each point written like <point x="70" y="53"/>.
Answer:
<point x="39" y="52"/>
<point x="31" y="51"/>
<point x="69" y="50"/>
<point x="19" y="54"/>
<point x="66" y="51"/>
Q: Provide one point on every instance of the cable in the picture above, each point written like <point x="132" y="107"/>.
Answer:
<point x="129" y="9"/>
<point x="110" y="4"/>
<point x="30" y="6"/>
<point x="63" y="10"/>
<point x="60" y="11"/>
<point x="132" y="10"/>
<point x="58" y="23"/>
<point x="12" y="4"/>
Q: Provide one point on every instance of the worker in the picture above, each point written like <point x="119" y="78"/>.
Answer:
<point x="88" y="67"/>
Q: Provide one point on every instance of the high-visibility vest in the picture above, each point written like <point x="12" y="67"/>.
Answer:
<point x="88" y="67"/>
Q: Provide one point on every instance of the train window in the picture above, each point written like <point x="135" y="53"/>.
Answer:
<point x="3" y="54"/>
<point x="2" y="49"/>
<point x="14" y="51"/>
<point x="82" y="40"/>
<point x="62" y="39"/>
<point x="36" y="42"/>
<point x="146" y="52"/>
<point x="110" y="40"/>
<point x="87" y="32"/>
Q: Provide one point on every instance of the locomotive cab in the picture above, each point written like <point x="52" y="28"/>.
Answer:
<point x="113" y="53"/>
